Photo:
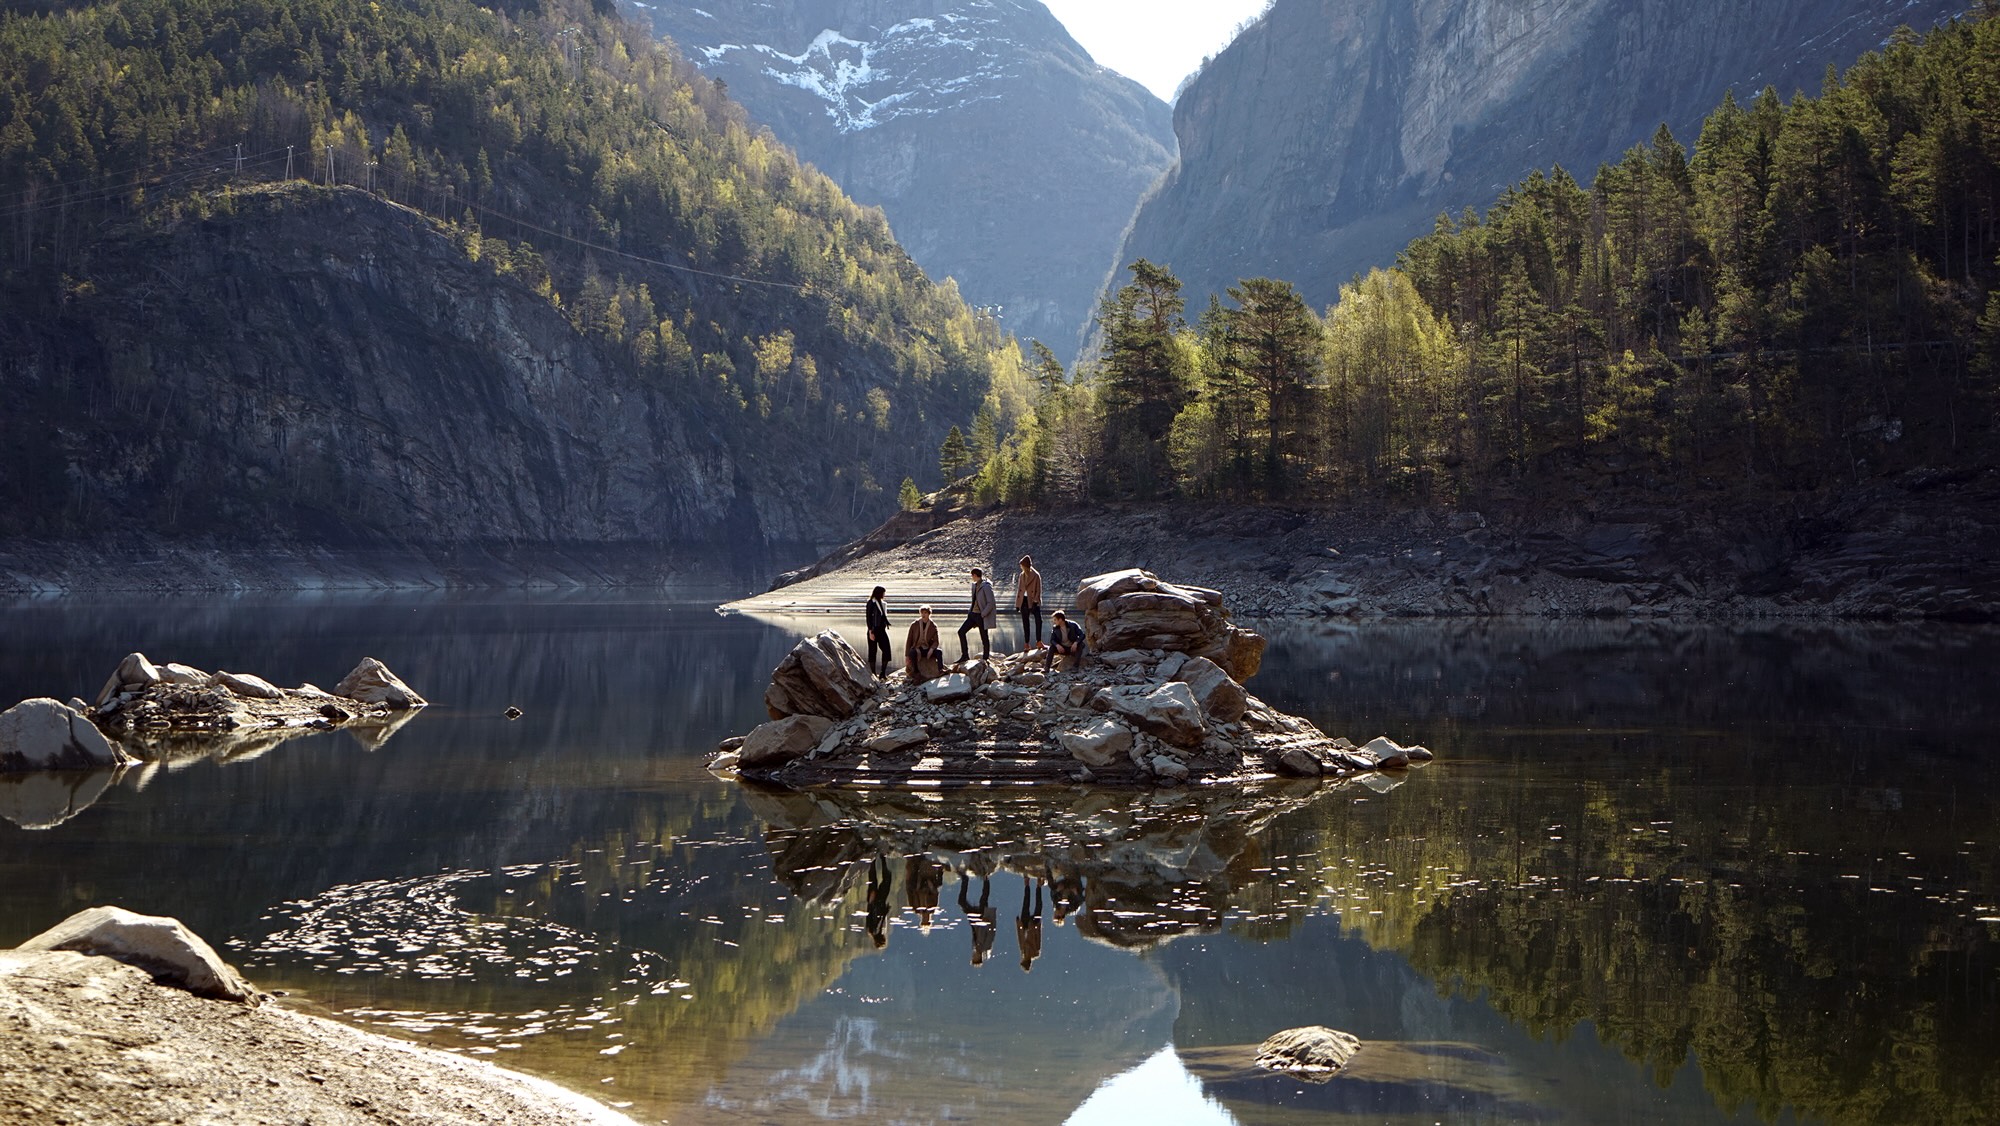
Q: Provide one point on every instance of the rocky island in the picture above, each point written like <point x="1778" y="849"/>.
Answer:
<point x="1159" y="700"/>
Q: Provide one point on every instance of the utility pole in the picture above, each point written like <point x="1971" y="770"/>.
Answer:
<point x="288" y="162"/>
<point x="239" y="159"/>
<point x="329" y="164"/>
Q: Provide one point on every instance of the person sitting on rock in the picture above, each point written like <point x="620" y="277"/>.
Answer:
<point x="923" y="654"/>
<point x="1028" y="600"/>
<point x="984" y="614"/>
<point x="1065" y="641"/>
<point x="923" y="879"/>
<point x="878" y="630"/>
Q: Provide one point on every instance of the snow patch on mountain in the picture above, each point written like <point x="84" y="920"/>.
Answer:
<point x="919" y="67"/>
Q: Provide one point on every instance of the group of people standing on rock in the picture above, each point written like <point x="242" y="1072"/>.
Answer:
<point x="923" y="648"/>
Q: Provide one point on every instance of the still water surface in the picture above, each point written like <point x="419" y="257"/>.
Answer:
<point x="1657" y="875"/>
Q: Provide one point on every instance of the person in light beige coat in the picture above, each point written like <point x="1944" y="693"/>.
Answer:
<point x="1028" y="600"/>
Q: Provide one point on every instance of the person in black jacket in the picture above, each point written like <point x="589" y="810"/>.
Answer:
<point x="878" y="630"/>
<point x="1065" y="641"/>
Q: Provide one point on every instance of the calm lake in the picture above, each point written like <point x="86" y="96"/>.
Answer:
<point x="1657" y="874"/>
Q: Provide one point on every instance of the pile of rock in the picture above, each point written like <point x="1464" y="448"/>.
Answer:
<point x="1172" y="712"/>
<point x="144" y="705"/>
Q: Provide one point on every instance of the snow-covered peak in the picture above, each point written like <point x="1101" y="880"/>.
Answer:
<point x="919" y="67"/>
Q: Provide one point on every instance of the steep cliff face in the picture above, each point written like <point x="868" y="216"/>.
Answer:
<point x="1003" y="156"/>
<point x="1332" y="132"/>
<point x="326" y="369"/>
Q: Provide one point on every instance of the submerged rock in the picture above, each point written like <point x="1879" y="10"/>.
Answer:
<point x="45" y="734"/>
<point x="161" y="946"/>
<point x="782" y="740"/>
<point x="1314" y="1053"/>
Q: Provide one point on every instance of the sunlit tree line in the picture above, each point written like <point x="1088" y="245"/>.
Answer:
<point x="1804" y="299"/>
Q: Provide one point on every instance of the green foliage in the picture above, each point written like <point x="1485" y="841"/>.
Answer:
<point x="909" y="498"/>
<point x="556" y="144"/>
<point x="1806" y="300"/>
<point x="953" y="455"/>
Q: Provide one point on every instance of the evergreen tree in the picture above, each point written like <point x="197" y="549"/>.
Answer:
<point x="1142" y="381"/>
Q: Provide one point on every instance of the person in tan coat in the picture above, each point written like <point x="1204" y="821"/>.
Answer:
<point x="923" y="656"/>
<point x="1028" y="600"/>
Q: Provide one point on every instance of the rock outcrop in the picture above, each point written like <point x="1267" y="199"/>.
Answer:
<point x="173" y="710"/>
<point x="1167" y="714"/>
<point x="45" y="734"/>
<point x="161" y="946"/>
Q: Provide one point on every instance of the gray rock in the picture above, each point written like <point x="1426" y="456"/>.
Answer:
<point x="1166" y="710"/>
<point x="371" y="682"/>
<point x="901" y="739"/>
<point x="161" y="946"/>
<point x="1386" y="753"/>
<point x="979" y="673"/>
<point x="1098" y="743"/>
<point x="255" y="687"/>
<point x="135" y="671"/>
<point x="1314" y="1052"/>
<point x="1126" y="657"/>
<point x="1168" y="767"/>
<point x="1300" y="763"/>
<point x="821" y="676"/>
<point x="182" y="674"/>
<point x="734" y="742"/>
<point x="1221" y="697"/>
<point x="1030" y="679"/>
<point x="45" y="734"/>
<point x="1078" y="693"/>
<point x="949" y="688"/>
<point x="780" y="741"/>
<point x="1170" y="666"/>
<point x="725" y="763"/>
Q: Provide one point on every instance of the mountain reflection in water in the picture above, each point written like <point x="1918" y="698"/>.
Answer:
<point x="1659" y="873"/>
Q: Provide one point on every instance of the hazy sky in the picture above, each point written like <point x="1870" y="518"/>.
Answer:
<point x="1156" y="42"/>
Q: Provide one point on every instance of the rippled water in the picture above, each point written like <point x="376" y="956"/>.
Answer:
<point x="1658" y="874"/>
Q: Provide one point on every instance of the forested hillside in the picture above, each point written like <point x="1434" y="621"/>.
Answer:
<point x="430" y="272"/>
<point x="1803" y="302"/>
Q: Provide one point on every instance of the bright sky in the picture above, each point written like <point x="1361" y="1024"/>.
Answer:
<point x="1155" y="42"/>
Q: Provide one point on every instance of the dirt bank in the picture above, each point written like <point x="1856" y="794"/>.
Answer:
<point x="1919" y="549"/>
<point x="87" y="1041"/>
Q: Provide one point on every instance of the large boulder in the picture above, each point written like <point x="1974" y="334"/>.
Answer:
<point x="821" y="676"/>
<point x="1098" y="743"/>
<point x="45" y="734"/>
<point x="949" y="689"/>
<point x="161" y="946"/>
<point x="1134" y="610"/>
<point x="1218" y="693"/>
<point x="1315" y="1053"/>
<point x="1168" y="711"/>
<point x="780" y="741"/>
<point x="371" y="682"/>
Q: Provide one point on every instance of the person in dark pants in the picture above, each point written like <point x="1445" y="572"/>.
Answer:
<point x="984" y="923"/>
<point x="1028" y="600"/>
<point x="878" y="630"/>
<point x="984" y="615"/>
<point x="1065" y="641"/>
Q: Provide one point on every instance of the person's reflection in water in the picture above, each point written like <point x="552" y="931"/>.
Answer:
<point x="1028" y="927"/>
<point x="923" y="880"/>
<point x="880" y="881"/>
<point x="1066" y="892"/>
<point x="985" y="923"/>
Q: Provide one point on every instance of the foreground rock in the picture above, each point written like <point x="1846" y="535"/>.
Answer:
<point x="94" y="1042"/>
<point x="1167" y="713"/>
<point x="173" y="954"/>
<point x="44" y="734"/>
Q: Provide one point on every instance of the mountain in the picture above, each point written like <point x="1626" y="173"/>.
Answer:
<point x="1332" y="132"/>
<point x="438" y="281"/>
<point x="1004" y="157"/>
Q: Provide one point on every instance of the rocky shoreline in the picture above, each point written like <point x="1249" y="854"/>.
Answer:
<point x="1924" y="547"/>
<point x="116" y="1019"/>
<point x="1158" y="701"/>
